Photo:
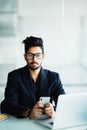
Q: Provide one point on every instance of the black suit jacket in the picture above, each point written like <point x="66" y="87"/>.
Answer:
<point x="19" y="92"/>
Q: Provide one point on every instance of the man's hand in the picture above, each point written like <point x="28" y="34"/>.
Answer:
<point x="25" y="113"/>
<point x="49" y="110"/>
<point x="37" y="110"/>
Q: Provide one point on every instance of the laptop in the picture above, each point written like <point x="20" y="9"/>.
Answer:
<point x="71" y="112"/>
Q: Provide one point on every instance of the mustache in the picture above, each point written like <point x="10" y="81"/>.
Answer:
<point x="34" y="63"/>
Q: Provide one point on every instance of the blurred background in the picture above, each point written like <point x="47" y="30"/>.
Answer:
<point x="62" y="24"/>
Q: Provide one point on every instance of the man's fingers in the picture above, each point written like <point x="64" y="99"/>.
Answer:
<point x="39" y="105"/>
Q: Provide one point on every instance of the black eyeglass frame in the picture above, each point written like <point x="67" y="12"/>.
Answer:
<point x="32" y="55"/>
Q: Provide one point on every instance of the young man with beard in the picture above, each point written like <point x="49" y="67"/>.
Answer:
<point x="27" y="84"/>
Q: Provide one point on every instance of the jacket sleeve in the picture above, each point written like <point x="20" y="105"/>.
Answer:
<point x="10" y="104"/>
<point x="57" y="89"/>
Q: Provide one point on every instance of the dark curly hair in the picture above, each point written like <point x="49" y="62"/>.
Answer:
<point x="33" y="42"/>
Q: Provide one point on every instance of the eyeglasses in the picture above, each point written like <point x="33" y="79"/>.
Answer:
<point x="37" y="55"/>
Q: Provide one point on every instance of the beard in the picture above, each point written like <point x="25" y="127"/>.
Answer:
<point x="33" y="67"/>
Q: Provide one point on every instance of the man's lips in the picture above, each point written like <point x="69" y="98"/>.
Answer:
<point x="34" y="63"/>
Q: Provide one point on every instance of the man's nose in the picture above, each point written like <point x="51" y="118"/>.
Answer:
<point x="34" y="58"/>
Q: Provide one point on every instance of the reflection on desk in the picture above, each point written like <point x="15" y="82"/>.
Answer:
<point x="13" y="123"/>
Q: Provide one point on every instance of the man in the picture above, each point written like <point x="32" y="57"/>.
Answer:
<point x="26" y="85"/>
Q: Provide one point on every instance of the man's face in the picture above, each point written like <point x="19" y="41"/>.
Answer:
<point x="34" y="58"/>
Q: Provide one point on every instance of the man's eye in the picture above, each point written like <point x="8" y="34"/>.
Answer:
<point x="38" y="55"/>
<point x="29" y="55"/>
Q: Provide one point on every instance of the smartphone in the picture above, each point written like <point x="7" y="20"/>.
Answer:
<point x="44" y="100"/>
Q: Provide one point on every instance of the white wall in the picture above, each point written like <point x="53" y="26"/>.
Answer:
<point x="75" y="25"/>
<point x="84" y="42"/>
<point x="61" y="23"/>
<point x="58" y="22"/>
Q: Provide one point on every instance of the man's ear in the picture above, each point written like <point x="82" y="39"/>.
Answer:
<point x="44" y="56"/>
<point x="25" y="57"/>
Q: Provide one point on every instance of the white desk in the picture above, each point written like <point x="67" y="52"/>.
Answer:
<point x="13" y="123"/>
